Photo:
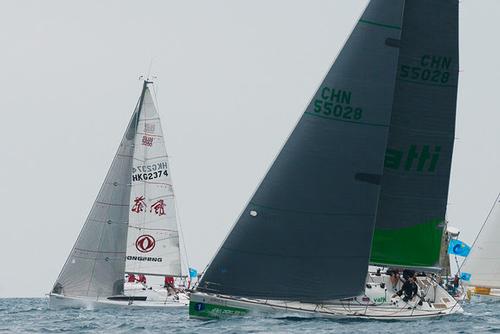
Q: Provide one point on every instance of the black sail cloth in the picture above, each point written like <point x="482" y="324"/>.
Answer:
<point x="306" y="232"/>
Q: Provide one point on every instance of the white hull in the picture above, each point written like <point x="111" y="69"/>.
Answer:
<point x="57" y="301"/>
<point x="377" y="303"/>
<point x="155" y="293"/>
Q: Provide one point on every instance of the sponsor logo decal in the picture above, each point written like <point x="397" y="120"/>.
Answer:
<point x="139" y="204"/>
<point x="144" y="258"/>
<point x="147" y="141"/>
<point x="159" y="207"/>
<point x="145" y="243"/>
<point x="379" y="300"/>
<point x="423" y="159"/>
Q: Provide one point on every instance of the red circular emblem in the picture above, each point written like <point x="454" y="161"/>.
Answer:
<point x="145" y="243"/>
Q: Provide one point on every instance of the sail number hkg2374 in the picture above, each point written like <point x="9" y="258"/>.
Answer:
<point x="149" y="172"/>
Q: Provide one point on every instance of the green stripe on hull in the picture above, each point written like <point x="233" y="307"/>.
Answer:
<point x="212" y="311"/>
<point x="416" y="246"/>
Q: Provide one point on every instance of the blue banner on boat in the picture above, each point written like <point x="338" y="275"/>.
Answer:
<point x="458" y="247"/>
<point x="193" y="272"/>
<point x="465" y="276"/>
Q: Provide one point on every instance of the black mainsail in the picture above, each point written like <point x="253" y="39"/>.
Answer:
<point x="309" y="224"/>
<point x="414" y="192"/>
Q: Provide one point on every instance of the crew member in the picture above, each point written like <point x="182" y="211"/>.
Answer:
<point x="169" y="281"/>
<point x="409" y="289"/>
<point x="394" y="277"/>
<point x="407" y="273"/>
<point x="170" y="285"/>
<point x="456" y="283"/>
<point x="131" y="278"/>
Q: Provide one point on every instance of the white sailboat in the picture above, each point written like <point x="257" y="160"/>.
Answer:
<point x="362" y="179"/>
<point x="481" y="268"/>
<point x="132" y="227"/>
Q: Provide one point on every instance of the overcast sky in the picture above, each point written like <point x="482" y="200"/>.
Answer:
<point x="233" y="78"/>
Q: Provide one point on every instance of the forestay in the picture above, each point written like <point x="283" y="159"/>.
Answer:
<point x="483" y="262"/>
<point x="414" y="192"/>
<point x="153" y="238"/>
<point x="306" y="232"/>
<point x="96" y="264"/>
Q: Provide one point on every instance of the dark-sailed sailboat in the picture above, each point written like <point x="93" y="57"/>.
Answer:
<point x="363" y="179"/>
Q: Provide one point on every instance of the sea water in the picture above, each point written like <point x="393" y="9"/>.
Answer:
<point x="23" y="315"/>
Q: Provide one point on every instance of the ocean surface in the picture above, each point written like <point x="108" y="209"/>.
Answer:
<point x="32" y="315"/>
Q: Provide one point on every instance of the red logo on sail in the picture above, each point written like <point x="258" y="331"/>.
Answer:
<point x="145" y="243"/>
<point x="139" y="204"/>
<point x="147" y="141"/>
<point x="159" y="207"/>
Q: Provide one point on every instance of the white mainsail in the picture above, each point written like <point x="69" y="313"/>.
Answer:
<point x="153" y="235"/>
<point x="483" y="262"/>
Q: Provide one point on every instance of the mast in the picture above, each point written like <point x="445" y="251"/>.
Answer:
<point x="141" y="99"/>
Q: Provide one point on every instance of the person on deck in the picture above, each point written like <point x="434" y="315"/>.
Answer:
<point x="142" y="279"/>
<point x="456" y="283"/>
<point x="409" y="289"/>
<point x="407" y="273"/>
<point x="170" y="285"/>
<point x="169" y="281"/>
<point x="131" y="278"/>
<point x="394" y="277"/>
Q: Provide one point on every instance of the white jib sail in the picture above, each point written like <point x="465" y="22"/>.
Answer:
<point x="483" y="262"/>
<point x="153" y="236"/>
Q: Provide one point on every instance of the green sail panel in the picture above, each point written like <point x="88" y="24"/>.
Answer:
<point x="414" y="188"/>
<point x="306" y="233"/>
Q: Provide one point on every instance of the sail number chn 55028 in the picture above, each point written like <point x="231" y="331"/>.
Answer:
<point x="430" y="68"/>
<point x="336" y="103"/>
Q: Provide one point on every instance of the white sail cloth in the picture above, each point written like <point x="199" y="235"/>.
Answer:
<point x="132" y="225"/>
<point x="483" y="262"/>
<point x="153" y="237"/>
<point x="96" y="264"/>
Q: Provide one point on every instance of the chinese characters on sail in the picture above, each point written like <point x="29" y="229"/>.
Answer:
<point x="147" y="141"/>
<point x="140" y="204"/>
